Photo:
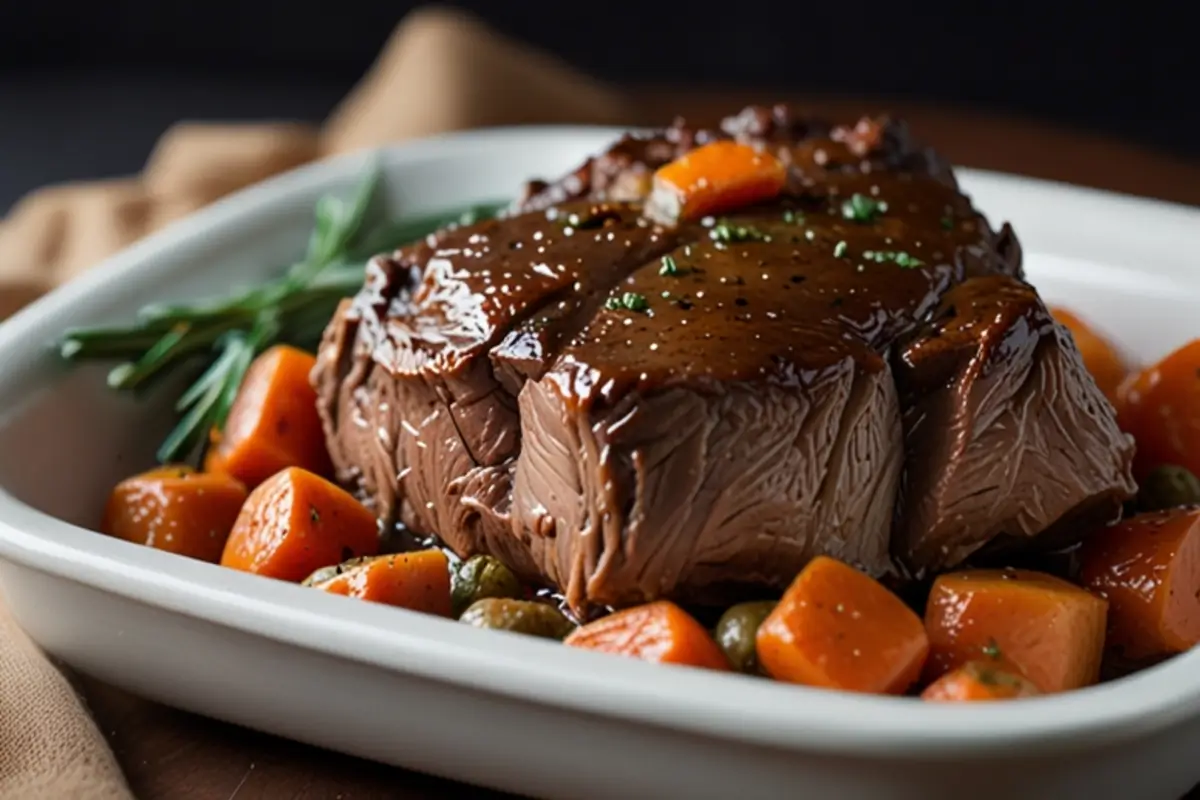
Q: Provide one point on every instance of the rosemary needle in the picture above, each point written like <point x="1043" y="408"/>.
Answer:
<point x="229" y="332"/>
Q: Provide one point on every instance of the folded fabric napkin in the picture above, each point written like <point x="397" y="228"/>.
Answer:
<point x="441" y="71"/>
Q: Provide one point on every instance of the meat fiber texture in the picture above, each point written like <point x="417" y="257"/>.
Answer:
<point x="624" y="411"/>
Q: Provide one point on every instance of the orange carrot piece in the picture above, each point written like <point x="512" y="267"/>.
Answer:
<point x="1046" y="629"/>
<point x="660" y="631"/>
<point x="1160" y="407"/>
<point x="976" y="681"/>
<point x="273" y="423"/>
<point x="417" y="581"/>
<point x="296" y="522"/>
<point x="712" y="179"/>
<point x="176" y="509"/>
<point x="1100" y="357"/>
<point x="1148" y="568"/>
<point x="838" y="628"/>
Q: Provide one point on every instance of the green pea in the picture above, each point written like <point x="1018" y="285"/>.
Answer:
<point x="518" y="616"/>
<point x="736" y="631"/>
<point x="326" y="573"/>
<point x="479" y="577"/>
<point x="1168" y="486"/>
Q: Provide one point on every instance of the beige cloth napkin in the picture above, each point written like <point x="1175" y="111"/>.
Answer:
<point x="441" y="71"/>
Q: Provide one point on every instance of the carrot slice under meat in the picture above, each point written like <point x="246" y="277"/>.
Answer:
<point x="1160" y="407"/>
<point x="659" y="631"/>
<point x="176" y="509"/>
<point x="712" y="179"/>
<point x="1148" y="567"/>
<point x="273" y="423"/>
<point x="979" y="680"/>
<point x="417" y="581"/>
<point x="296" y="522"/>
<point x="838" y="628"/>
<point x="1044" y="628"/>
<point x="1100" y="357"/>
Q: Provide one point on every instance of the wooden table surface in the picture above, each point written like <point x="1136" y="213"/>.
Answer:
<point x="171" y="754"/>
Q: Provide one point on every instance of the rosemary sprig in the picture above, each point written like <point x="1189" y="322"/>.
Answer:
<point x="229" y="332"/>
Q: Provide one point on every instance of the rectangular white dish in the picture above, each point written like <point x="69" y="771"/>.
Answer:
<point x="518" y="713"/>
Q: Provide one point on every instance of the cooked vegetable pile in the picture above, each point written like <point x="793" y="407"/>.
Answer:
<point x="264" y="502"/>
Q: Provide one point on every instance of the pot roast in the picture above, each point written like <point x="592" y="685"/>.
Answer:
<point x="623" y="411"/>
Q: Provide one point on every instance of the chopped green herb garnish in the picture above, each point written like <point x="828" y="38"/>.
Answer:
<point x="839" y="249"/>
<point x="898" y="257"/>
<point x="726" y="232"/>
<point x="992" y="649"/>
<point x="948" y="223"/>
<point x="669" y="267"/>
<point x="630" y="301"/>
<point x="792" y="218"/>
<point x="862" y="208"/>
<point x="634" y="301"/>
<point x="313" y="514"/>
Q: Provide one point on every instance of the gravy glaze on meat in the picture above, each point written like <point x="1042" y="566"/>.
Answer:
<point x="624" y="411"/>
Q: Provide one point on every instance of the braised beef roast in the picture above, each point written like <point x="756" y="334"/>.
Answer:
<point x="625" y="411"/>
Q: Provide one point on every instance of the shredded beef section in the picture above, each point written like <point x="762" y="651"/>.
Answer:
<point x="1007" y="436"/>
<point x="415" y="415"/>
<point x="687" y="493"/>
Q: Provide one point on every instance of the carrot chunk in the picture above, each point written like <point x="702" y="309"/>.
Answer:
<point x="1046" y="629"/>
<point x="979" y="680"/>
<point x="296" y="522"/>
<point x="1160" y="407"/>
<point x="712" y="179"/>
<point x="659" y="631"/>
<point x="176" y="509"/>
<point x="838" y="628"/>
<point x="418" y="581"/>
<point x="1100" y="357"/>
<point x="1148" y="568"/>
<point x="273" y="423"/>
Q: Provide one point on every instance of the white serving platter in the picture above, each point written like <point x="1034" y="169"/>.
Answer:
<point x="512" y="712"/>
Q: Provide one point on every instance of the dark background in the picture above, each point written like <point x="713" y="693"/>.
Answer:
<point x="86" y="87"/>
